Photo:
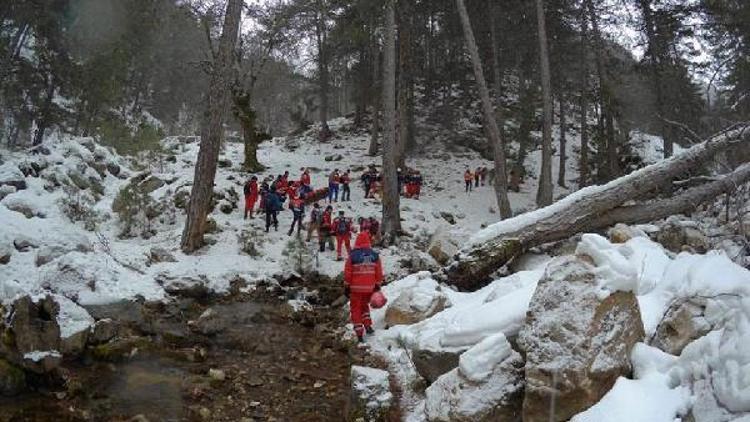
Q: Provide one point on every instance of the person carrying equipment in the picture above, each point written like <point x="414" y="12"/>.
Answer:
<point x="297" y="205"/>
<point x="363" y="275"/>
<point x="273" y="204"/>
<point x="324" y="229"/>
<point x="342" y="228"/>
<point x="251" y="196"/>
<point x="316" y="217"/>
<point x="346" y="193"/>
<point x="468" y="179"/>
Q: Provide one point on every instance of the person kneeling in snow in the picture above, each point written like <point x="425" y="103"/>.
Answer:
<point x="363" y="274"/>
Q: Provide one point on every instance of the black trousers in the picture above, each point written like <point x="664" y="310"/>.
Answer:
<point x="468" y="186"/>
<point x="298" y="221"/>
<point x="346" y="192"/>
<point x="272" y="220"/>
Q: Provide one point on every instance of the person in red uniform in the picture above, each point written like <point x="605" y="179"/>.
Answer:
<point x="342" y="228"/>
<point x="305" y="179"/>
<point x="251" y="196"/>
<point x="363" y="274"/>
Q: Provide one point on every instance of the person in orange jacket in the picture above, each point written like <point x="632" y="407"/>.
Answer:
<point x="251" y="196"/>
<point x="363" y="275"/>
<point x="342" y="229"/>
<point x="468" y="179"/>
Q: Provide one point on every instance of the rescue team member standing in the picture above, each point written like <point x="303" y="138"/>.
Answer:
<point x="468" y="179"/>
<point x="342" y="227"/>
<point x="251" y="196"/>
<point x="363" y="274"/>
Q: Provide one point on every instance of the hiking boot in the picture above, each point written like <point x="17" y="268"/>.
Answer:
<point x="370" y="330"/>
<point x="360" y="339"/>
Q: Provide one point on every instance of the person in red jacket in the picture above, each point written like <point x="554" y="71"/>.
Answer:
<point x="305" y="179"/>
<point x="251" y="196"/>
<point x="363" y="274"/>
<point x="342" y="228"/>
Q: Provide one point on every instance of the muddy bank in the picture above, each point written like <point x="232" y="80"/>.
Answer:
<point x="243" y="357"/>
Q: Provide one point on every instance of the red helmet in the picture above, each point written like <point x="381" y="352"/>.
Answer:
<point x="378" y="300"/>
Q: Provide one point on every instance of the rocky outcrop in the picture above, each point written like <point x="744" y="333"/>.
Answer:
<point x="487" y="386"/>
<point x="416" y="304"/>
<point x="442" y="247"/>
<point x="681" y="325"/>
<point x="577" y="342"/>
<point x="371" y="396"/>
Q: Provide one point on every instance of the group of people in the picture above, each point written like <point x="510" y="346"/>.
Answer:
<point x="363" y="271"/>
<point x="409" y="182"/>
<point x="473" y="179"/>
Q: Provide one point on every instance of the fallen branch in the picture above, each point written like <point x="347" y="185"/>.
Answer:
<point x="593" y="208"/>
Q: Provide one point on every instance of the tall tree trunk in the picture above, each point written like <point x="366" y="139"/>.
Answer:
<point x="563" y="152"/>
<point x="494" y="138"/>
<point x="544" y="194"/>
<point x="377" y="103"/>
<point x="323" y="76"/>
<point x="243" y="111"/>
<point x="605" y="101"/>
<point x="497" y="71"/>
<point x="43" y="122"/>
<point x="583" y="159"/>
<point x="405" y="102"/>
<point x="212" y="132"/>
<point x="391" y="198"/>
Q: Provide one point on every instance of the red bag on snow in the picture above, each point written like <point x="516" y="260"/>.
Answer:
<point x="378" y="300"/>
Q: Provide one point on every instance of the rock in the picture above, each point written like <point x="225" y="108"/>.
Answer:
<point x="79" y="180"/>
<point x="371" y="396"/>
<point x="448" y="217"/>
<point x="431" y="364"/>
<point x="42" y="362"/>
<point x="442" y="247"/>
<point x="40" y="149"/>
<point x="181" y="199"/>
<point x="677" y="237"/>
<point x="22" y="207"/>
<point x="103" y="331"/>
<point x="6" y="190"/>
<point x="487" y="386"/>
<point x="335" y="157"/>
<point x="212" y="226"/>
<point x="621" y="233"/>
<point x="47" y="254"/>
<point x="158" y="254"/>
<point x="209" y="323"/>
<point x="75" y="343"/>
<point x="113" y="169"/>
<point x="217" y="374"/>
<point x="150" y="184"/>
<point x="5" y="254"/>
<point x="413" y="305"/>
<point x="224" y="163"/>
<point x="576" y="342"/>
<point x="10" y="175"/>
<point x="24" y="243"/>
<point x="33" y="328"/>
<point x="12" y="379"/>
<point x="681" y="325"/>
<point x="186" y="287"/>
<point x="226" y="208"/>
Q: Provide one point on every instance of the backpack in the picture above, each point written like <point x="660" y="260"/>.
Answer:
<point x="342" y="227"/>
<point x="318" y="217"/>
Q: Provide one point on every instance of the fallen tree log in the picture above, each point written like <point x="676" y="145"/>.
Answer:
<point x="590" y="208"/>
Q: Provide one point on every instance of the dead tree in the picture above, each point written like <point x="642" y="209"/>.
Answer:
<point x="212" y="131"/>
<point x="594" y="208"/>
<point x="494" y="136"/>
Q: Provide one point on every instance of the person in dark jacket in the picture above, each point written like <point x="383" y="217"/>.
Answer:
<point x="297" y="206"/>
<point x="273" y="204"/>
<point x="346" y="193"/>
<point x="324" y="229"/>
<point x="363" y="274"/>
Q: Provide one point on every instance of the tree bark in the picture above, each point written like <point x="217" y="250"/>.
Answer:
<point x="323" y="76"/>
<point x="243" y="111"/>
<point x="583" y="159"/>
<point x="376" y="106"/>
<point x="544" y="193"/>
<point x="391" y="198"/>
<point x="212" y="132"/>
<point x="563" y="135"/>
<point x="656" y="51"/>
<point x="494" y="138"/>
<point x="477" y="261"/>
<point x="405" y="102"/>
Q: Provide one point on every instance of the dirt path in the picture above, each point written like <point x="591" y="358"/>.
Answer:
<point x="267" y="363"/>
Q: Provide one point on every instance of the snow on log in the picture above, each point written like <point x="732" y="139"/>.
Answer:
<point x="590" y="209"/>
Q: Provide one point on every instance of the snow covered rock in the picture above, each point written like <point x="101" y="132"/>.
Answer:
<point x="621" y="233"/>
<point x="5" y="253"/>
<point x="23" y="243"/>
<point x="682" y="325"/>
<point x="158" y="254"/>
<point x="486" y="386"/>
<point x="47" y="254"/>
<point x="431" y="364"/>
<point x="576" y="341"/>
<point x="443" y="247"/>
<point x="371" y="397"/>
<point x="10" y="175"/>
<point x="678" y="236"/>
<point x="422" y="301"/>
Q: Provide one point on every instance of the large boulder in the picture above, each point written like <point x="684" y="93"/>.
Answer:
<point x="577" y="340"/>
<point x="431" y="364"/>
<point x="678" y="236"/>
<point x="487" y="385"/>
<point x="371" y="396"/>
<point x="681" y="325"/>
<point x="416" y="304"/>
<point x="442" y="247"/>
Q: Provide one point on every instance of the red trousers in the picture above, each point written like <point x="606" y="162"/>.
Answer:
<point x="250" y="203"/>
<point x="359" y="305"/>
<point x="346" y="240"/>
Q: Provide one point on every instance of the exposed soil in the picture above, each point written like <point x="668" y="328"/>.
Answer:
<point x="269" y="364"/>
